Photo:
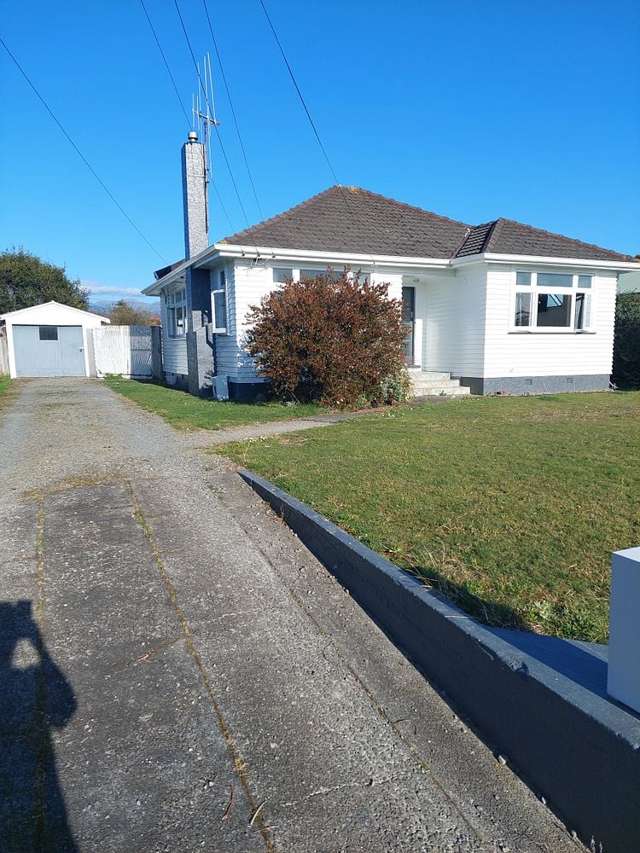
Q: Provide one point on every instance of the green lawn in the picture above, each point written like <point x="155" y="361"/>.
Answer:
<point x="185" y="411"/>
<point x="5" y="382"/>
<point x="511" y="506"/>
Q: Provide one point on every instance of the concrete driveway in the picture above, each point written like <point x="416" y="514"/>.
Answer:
<point x="179" y="674"/>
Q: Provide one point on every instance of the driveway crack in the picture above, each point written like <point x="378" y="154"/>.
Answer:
<point x="239" y="763"/>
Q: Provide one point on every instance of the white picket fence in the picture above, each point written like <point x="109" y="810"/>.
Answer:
<point x="123" y="350"/>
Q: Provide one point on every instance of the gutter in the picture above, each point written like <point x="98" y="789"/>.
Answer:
<point x="269" y="253"/>
<point x="546" y="260"/>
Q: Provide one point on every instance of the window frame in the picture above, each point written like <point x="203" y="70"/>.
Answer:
<point x="535" y="290"/>
<point x="295" y="272"/>
<point x="174" y="301"/>
<point x="49" y="327"/>
<point x="220" y="287"/>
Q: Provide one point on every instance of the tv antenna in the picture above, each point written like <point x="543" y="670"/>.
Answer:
<point x="203" y="119"/>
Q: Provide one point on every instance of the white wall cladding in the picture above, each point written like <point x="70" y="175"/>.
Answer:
<point x="551" y="354"/>
<point x="124" y="350"/>
<point x="393" y="279"/>
<point x="247" y="283"/>
<point x="462" y="325"/>
<point x="453" y="308"/>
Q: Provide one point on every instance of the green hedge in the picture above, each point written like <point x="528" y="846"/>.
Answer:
<point x="626" y="350"/>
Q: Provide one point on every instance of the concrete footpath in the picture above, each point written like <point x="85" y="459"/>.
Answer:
<point x="179" y="674"/>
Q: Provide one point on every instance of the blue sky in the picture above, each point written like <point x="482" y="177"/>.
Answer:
<point x="530" y="111"/>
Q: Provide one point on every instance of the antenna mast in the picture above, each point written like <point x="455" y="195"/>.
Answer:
<point x="204" y="118"/>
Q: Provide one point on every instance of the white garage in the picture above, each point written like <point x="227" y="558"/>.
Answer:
<point x="49" y="340"/>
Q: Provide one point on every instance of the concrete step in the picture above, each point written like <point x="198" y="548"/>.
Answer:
<point x="436" y="383"/>
<point x="431" y="383"/>
<point x="442" y="391"/>
<point x="419" y="373"/>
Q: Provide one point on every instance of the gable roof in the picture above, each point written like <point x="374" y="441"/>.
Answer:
<point x="508" y="237"/>
<point x="350" y="219"/>
<point x="353" y="220"/>
<point x="53" y="304"/>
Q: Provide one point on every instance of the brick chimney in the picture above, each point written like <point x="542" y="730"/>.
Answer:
<point x="194" y="190"/>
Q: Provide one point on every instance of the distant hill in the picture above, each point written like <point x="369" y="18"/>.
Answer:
<point x="100" y="306"/>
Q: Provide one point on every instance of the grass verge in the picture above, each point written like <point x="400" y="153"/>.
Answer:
<point x="510" y="506"/>
<point x="5" y="382"/>
<point x="184" y="411"/>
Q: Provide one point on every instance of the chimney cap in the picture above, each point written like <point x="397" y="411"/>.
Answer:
<point x="192" y="136"/>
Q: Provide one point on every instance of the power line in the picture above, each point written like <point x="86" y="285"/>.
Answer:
<point x="180" y="101"/>
<point x="300" y="95"/>
<point x="78" y="151"/>
<point x="351" y="210"/>
<point x="215" y="126"/>
<point x="166" y="64"/>
<point x="224" y="209"/>
<point x="233" y="111"/>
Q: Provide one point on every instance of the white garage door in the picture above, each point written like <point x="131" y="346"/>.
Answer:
<point x="49" y="350"/>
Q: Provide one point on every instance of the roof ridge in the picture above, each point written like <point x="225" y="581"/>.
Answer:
<point x="506" y="219"/>
<point x="52" y="302"/>
<point x="408" y="206"/>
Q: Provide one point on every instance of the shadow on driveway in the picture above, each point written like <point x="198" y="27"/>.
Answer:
<point x="35" y="697"/>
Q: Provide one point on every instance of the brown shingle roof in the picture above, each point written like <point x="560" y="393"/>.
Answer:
<point x="353" y="220"/>
<point x="507" y="237"/>
<point x="349" y="219"/>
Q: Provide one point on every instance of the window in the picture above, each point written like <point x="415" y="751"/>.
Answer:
<point x="554" y="279"/>
<point x="219" y="301"/>
<point x="177" y="313"/>
<point x="309" y="273"/>
<point x="552" y="301"/>
<point x="281" y="274"/>
<point x="48" y="333"/>
<point x="284" y="274"/>
<point x="554" y="309"/>
<point x="582" y="318"/>
<point x="523" y="308"/>
<point x="334" y="275"/>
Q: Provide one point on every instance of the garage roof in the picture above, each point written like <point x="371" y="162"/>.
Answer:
<point x="54" y="304"/>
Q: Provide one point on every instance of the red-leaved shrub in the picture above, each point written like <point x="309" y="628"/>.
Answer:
<point x="333" y="339"/>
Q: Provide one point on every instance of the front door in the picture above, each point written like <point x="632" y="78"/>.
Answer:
<point x="408" y="321"/>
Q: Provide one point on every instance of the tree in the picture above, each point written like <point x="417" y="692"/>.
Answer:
<point x="626" y="347"/>
<point x="25" y="280"/>
<point x="334" y="339"/>
<point x="124" y="314"/>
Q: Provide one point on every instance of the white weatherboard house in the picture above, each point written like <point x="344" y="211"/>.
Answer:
<point x="49" y="340"/>
<point x="500" y="307"/>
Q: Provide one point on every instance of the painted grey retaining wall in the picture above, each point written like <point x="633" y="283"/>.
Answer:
<point x="539" y="701"/>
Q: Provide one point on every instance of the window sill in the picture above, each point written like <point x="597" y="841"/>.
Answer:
<point x="551" y="332"/>
<point x="219" y="331"/>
